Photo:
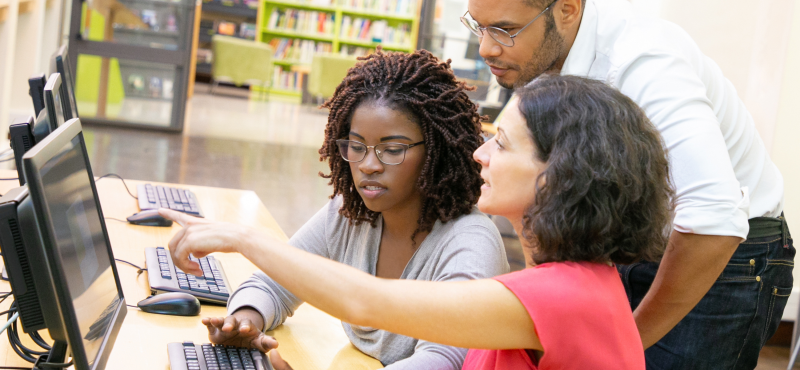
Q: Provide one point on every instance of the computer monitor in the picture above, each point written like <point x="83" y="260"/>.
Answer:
<point x="58" y="254"/>
<point x="36" y="91"/>
<point x="54" y="101"/>
<point x="60" y="64"/>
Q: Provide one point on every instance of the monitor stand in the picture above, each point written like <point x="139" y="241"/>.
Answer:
<point x="57" y="354"/>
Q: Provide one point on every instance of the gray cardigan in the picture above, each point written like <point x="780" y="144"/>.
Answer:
<point x="468" y="247"/>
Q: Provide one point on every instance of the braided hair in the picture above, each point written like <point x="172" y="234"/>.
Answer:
<point x="427" y="91"/>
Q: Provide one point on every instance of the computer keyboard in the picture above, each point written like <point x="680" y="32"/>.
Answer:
<point x="163" y="276"/>
<point x="190" y="356"/>
<point x="154" y="197"/>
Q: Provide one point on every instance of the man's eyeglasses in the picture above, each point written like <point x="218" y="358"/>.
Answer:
<point x="498" y="34"/>
<point x="388" y="153"/>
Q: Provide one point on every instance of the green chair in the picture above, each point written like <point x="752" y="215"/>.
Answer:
<point x="240" y="62"/>
<point x="327" y="72"/>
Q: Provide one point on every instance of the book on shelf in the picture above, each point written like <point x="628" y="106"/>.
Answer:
<point x="204" y="55"/>
<point x="226" y="28"/>
<point x="247" y="31"/>
<point x="301" y="21"/>
<point x="357" y="51"/>
<point x="400" y="7"/>
<point x="377" y="31"/>
<point x="287" y="80"/>
<point x="298" y="50"/>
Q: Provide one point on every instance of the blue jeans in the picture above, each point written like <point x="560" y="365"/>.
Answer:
<point x="727" y="329"/>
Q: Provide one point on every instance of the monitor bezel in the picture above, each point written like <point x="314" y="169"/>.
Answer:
<point x="33" y="160"/>
<point x="53" y="84"/>
<point x="61" y="63"/>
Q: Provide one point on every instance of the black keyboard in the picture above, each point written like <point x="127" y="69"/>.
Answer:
<point x="211" y="287"/>
<point x="155" y="197"/>
<point x="190" y="356"/>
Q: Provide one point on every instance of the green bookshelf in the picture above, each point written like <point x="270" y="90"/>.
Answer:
<point x="296" y="35"/>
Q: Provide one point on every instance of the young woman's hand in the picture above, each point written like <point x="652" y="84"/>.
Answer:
<point x="242" y="329"/>
<point x="278" y="363"/>
<point x="200" y="237"/>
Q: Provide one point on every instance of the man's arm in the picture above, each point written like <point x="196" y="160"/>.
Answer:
<point x="689" y="268"/>
<point x="711" y="207"/>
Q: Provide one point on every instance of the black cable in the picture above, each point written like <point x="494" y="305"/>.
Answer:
<point x="124" y="261"/>
<point x="115" y="219"/>
<point x="139" y="272"/>
<point x="18" y="342"/>
<point x="15" y="368"/>
<point x="26" y="353"/>
<point x="40" y="341"/>
<point x="17" y="178"/>
<point x="13" y="337"/>
<point x="119" y="177"/>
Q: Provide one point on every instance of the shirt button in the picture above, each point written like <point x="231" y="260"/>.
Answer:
<point x="758" y="278"/>
<point x="752" y="262"/>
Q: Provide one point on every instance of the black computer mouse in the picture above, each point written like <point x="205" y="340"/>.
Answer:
<point x="149" y="217"/>
<point x="179" y="304"/>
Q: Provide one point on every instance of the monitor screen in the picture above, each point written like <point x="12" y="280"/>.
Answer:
<point x="81" y="244"/>
<point x="60" y="64"/>
<point x="58" y="99"/>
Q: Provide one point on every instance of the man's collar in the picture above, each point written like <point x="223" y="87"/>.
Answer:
<point x="582" y="54"/>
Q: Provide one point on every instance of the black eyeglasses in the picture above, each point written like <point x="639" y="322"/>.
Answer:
<point x="498" y="34"/>
<point x="388" y="153"/>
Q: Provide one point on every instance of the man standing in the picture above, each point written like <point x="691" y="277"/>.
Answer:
<point x="718" y="293"/>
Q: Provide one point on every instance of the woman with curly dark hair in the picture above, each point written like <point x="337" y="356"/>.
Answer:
<point x="399" y="142"/>
<point x="583" y="176"/>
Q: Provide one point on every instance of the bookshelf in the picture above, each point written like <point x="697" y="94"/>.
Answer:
<point x="297" y="29"/>
<point x="236" y="18"/>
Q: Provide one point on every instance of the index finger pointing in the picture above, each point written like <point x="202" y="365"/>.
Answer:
<point x="179" y="217"/>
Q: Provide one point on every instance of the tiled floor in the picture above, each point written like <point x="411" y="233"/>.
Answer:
<point x="267" y="147"/>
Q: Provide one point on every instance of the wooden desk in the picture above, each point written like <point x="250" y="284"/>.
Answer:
<point x="309" y="340"/>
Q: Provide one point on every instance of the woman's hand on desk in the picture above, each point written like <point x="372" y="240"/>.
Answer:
<point x="242" y="329"/>
<point x="200" y="237"/>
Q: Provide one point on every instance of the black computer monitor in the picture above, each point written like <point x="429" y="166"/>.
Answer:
<point x="60" y="64"/>
<point x="54" y="101"/>
<point x="36" y="91"/>
<point x="57" y="252"/>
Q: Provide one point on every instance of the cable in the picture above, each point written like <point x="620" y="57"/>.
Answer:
<point x="11" y="321"/>
<point x="16" y="178"/>
<point x="139" y="272"/>
<point x="23" y="352"/>
<point x="116" y="219"/>
<point x="119" y="177"/>
<point x="40" y="341"/>
<point x="130" y="305"/>
<point x="15" y="368"/>
<point x="124" y="261"/>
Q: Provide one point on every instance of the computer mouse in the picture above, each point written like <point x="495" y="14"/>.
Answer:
<point x="179" y="304"/>
<point x="149" y="217"/>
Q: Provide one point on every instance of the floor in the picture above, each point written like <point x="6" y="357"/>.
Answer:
<point x="268" y="147"/>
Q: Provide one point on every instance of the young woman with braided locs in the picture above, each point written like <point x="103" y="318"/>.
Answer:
<point x="399" y="142"/>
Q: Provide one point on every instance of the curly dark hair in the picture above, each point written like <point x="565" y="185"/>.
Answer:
<point x="426" y="90"/>
<point x="606" y="194"/>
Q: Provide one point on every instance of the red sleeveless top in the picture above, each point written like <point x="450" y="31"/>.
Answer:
<point x="581" y="314"/>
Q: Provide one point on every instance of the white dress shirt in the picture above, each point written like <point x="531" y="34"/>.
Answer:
<point x="721" y="170"/>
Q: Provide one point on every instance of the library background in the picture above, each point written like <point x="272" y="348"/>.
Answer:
<point x="136" y="62"/>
